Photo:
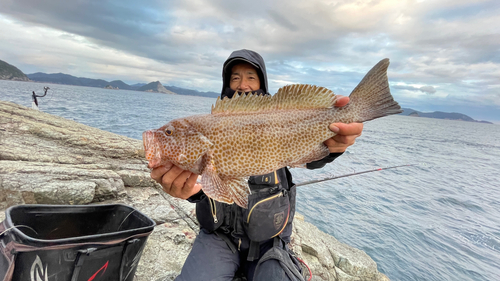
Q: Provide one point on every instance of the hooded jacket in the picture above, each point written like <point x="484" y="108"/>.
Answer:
<point x="243" y="56"/>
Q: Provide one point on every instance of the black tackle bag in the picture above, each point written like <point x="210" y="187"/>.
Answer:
<point x="72" y="243"/>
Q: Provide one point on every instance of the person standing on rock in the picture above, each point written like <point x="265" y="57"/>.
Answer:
<point x="247" y="242"/>
<point x="34" y="104"/>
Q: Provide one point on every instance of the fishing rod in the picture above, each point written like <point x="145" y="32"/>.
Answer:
<point x="352" y="174"/>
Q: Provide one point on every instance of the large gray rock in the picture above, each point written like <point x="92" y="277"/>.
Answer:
<point x="45" y="159"/>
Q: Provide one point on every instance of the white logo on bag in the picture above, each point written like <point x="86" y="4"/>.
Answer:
<point x="37" y="271"/>
<point x="135" y="261"/>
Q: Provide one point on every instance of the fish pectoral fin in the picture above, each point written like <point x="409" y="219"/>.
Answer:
<point x="213" y="186"/>
<point x="227" y="190"/>
<point x="238" y="190"/>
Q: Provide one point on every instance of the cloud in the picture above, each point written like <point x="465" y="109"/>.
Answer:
<point x="437" y="48"/>
<point x="428" y="89"/>
<point x="424" y="89"/>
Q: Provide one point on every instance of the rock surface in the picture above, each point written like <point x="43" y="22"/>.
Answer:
<point x="46" y="159"/>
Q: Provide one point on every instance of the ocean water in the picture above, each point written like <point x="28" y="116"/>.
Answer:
<point x="438" y="220"/>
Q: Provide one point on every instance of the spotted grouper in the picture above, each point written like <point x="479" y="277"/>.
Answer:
<point x="254" y="135"/>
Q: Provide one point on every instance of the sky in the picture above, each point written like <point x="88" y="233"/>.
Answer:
<point x="445" y="55"/>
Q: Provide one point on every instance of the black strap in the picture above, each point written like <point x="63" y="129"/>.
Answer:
<point x="104" y="261"/>
<point x="280" y="253"/>
<point x="226" y="239"/>
<point x="277" y="242"/>
<point x="253" y="251"/>
<point x="283" y="178"/>
<point x="79" y="262"/>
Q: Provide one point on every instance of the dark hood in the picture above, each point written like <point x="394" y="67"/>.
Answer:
<point x="248" y="56"/>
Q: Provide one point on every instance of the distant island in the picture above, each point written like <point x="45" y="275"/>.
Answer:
<point x="440" y="115"/>
<point x="66" y="79"/>
<point x="10" y="72"/>
<point x="155" y="87"/>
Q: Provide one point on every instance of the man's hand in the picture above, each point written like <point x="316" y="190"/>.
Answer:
<point x="346" y="133"/>
<point x="175" y="181"/>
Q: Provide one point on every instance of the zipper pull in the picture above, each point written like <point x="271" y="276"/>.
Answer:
<point x="213" y="208"/>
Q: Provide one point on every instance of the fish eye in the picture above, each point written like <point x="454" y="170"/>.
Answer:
<point x="168" y="132"/>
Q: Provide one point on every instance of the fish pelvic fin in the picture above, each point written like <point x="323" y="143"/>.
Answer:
<point x="372" y="97"/>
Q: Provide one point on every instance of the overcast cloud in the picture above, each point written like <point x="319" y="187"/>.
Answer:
<point x="445" y="55"/>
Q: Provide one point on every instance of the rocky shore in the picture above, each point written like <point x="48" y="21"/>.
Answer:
<point x="46" y="159"/>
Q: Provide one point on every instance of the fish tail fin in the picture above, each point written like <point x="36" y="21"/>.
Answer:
<point x="372" y="97"/>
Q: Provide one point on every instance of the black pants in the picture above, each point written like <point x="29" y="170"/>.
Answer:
<point x="211" y="259"/>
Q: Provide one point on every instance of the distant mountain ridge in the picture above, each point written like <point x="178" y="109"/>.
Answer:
<point x="66" y="79"/>
<point x="10" y="72"/>
<point x="155" y="87"/>
<point x="182" y="91"/>
<point x="440" y="115"/>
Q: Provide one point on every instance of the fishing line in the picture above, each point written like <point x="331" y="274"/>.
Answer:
<point x="51" y="94"/>
<point x="125" y="219"/>
<point x="352" y="174"/>
<point x="18" y="226"/>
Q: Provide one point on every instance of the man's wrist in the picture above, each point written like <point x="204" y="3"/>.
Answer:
<point x="197" y="197"/>
<point x="321" y="163"/>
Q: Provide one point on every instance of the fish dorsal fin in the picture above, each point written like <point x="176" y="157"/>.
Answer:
<point x="297" y="96"/>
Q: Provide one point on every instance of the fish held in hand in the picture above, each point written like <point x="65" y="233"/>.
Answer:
<point x="254" y="135"/>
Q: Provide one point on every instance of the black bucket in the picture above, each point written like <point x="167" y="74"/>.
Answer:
<point x="72" y="243"/>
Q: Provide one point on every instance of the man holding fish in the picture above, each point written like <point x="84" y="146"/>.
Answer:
<point x="242" y="151"/>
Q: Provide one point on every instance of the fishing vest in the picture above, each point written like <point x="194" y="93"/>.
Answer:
<point x="271" y="207"/>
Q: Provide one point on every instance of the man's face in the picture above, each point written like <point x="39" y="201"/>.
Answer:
<point x="244" y="78"/>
